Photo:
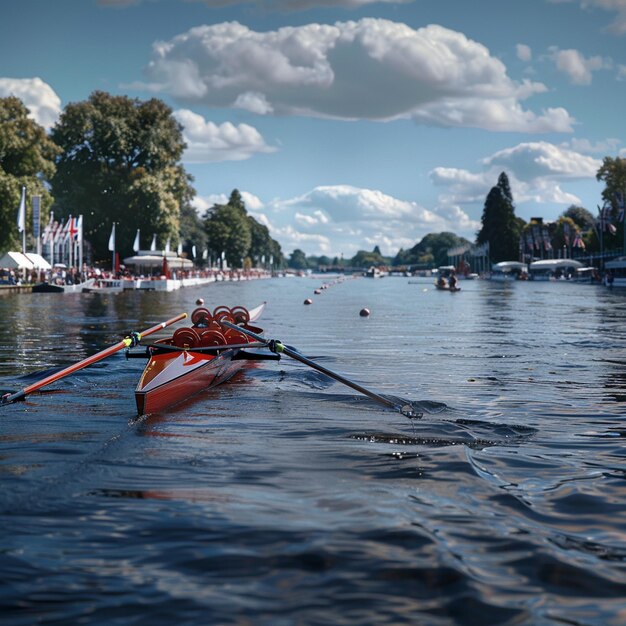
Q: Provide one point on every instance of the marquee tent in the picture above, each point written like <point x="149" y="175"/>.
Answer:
<point x="16" y="260"/>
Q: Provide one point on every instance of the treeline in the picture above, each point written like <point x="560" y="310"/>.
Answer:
<point x="117" y="159"/>
<point x="510" y="238"/>
<point x="430" y="251"/>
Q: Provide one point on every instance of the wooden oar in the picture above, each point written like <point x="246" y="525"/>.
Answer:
<point x="406" y="409"/>
<point x="125" y="343"/>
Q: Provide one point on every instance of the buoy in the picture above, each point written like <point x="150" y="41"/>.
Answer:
<point x="199" y="301"/>
<point x="364" y="312"/>
<point x="308" y="301"/>
<point x="317" y="292"/>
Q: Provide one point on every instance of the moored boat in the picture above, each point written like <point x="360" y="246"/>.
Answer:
<point x="553" y="269"/>
<point x="107" y="285"/>
<point x="509" y="270"/>
<point x="198" y="357"/>
<point x="616" y="272"/>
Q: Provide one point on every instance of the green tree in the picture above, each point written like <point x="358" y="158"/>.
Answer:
<point x="120" y="162"/>
<point x="192" y="232"/>
<point x="500" y="228"/>
<point x="298" y="260"/>
<point x="228" y="233"/>
<point x="26" y="160"/>
<point x="230" y="230"/>
<point x="366" y="259"/>
<point x="431" y="251"/>
<point x="583" y="218"/>
<point x="613" y="173"/>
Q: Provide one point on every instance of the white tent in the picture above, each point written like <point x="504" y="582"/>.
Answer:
<point x="38" y="261"/>
<point x="15" y="260"/>
<point x="153" y="260"/>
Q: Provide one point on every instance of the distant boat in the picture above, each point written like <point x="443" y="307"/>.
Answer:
<point x="444" y="272"/>
<point x="47" y="287"/>
<point x="508" y="270"/>
<point x="374" y="272"/>
<point x="553" y="269"/>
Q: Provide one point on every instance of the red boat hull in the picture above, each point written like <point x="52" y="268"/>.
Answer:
<point x="194" y="373"/>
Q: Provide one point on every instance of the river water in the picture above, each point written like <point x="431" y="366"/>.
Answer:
<point x="286" y="498"/>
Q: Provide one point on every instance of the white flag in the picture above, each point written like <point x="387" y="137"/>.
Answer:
<point x="153" y="244"/>
<point x="136" y="246"/>
<point x="205" y="254"/>
<point x="193" y="251"/>
<point x="21" y="213"/>
<point x="112" y="239"/>
<point x="180" y="248"/>
<point x="167" y="245"/>
<point x="79" y="229"/>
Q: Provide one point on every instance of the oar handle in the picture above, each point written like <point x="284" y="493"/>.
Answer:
<point x="406" y="409"/>
<point x="125" y="343"/>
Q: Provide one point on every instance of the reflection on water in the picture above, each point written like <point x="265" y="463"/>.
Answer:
<point x="285" y="498"/>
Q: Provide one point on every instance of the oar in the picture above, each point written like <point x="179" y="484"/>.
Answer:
<point x="406" y="409"/>
<point x="125" y="343"/>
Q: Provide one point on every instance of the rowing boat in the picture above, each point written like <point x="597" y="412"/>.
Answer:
<point x="198" y="357"/>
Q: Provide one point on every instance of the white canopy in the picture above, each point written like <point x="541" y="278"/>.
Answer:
<point x="153" y="260"/>
<point x="38" y="261"/>
<point x="553" y="264"/>
<point x="16" y="260"/>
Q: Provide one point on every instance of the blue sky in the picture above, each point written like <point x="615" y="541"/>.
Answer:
<point x="348" y="124"/>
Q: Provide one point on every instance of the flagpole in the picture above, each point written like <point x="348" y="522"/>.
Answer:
<point x="112" y="247"/>
<point x="80" y="243"/>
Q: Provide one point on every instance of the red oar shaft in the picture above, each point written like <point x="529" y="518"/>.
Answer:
<point x="125" y="343"/>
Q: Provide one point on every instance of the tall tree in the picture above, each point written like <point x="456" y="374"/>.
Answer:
<point x="500" y="228"/>
<point x="120" y="162"/>
<point x="613" y="173"/>
<point x="26" y="160"/>
<point x="298" y="260"/>
<point x="192" y="231"/>
<point x="583" y="218"/>
<point x="230" y="230"/>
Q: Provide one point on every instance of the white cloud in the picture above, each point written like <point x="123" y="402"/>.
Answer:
<point x="341" y="219"/>
<point x="607" y="146"/>
<point x="536" y="172"/>
<point x="621" y="72"/>
<point x="371" y="69"/>
<point x="294" y="5"/>
<point x="208" y="142"/>
<point x="542" y="160"/>
<point x="576" y="66"/>
<point x="346" y="219"/>
<point x="524" y="53"/>
<point x="40" y="99"/>
<point x="618" y="25"/>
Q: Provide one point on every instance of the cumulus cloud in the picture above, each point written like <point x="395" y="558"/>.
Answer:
<point x="524" y="53"/>
<point x="297" y="5"/>
<point x="41" y="100"/>
<point x="618" y="25"/>
<point x="537" y="172"/>
<point x="208" y="142"/>
<point x="371" y="69"/>
<point x="354" y="218"/>
<point x="576" y="66"/>
<point x="540" y="160"/>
